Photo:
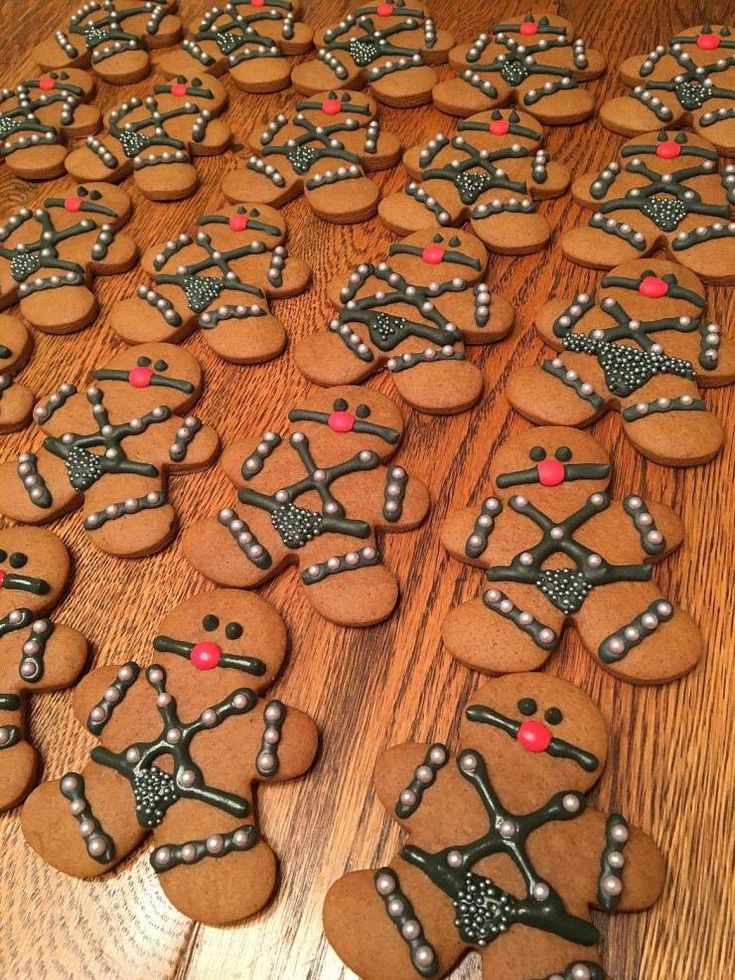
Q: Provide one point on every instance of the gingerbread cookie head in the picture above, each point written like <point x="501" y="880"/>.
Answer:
<point x="503" y="855"/>
<point x="181" y="743"/>
<point x="36" y="654"/>
<point x="556" y="549"/>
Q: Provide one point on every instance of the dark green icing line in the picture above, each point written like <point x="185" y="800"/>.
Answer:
<point x="349" y="562"/>
<point x="412" y="796"/>
<point x="498" y="602"/>
<point x="401" y="913"/>
<point x="100" y="846"/>
<point x="618" y="645"/>
<point x="125" y="508"/>
<point x="34" y="483"/>
<point x="683" y="403"/>
<point x="610" y="885"/>
<point x="477" y="541"/>
<point x="274" y="716"/>
<point x="570" y="379"/>
<point x="396" y="481"/>
<point x="233" y="661"/>
<point x="10" y="735"/>
<point x="652" y="541"/>
<point x="217" y="845"/>
<point x="113" y="697"/>
<point x="246" y="540"/>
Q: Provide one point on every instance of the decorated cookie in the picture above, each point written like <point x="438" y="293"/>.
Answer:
<point x="323" y="151"/>
<point x="113" y="37"/>
<point x="645" y="348"/>
<point x="39" y="115"/>
<point x="111" y="447"/>
<point x="413" y="315"/>
<point x="666" y="192"/>
<point x="388" y="46"/>
<point x="36" y="654"/>
<point x="490" y="174"/>
<point x="49" y="255"/>
<point x="181" y="743"/>
<point x="558" y="549"/>
<point x="156" y="138"/>
<point x="218" y="280"/>
<point x="535" y="62"/>
<point x="16" y="401"/>
<point x="688" y="82"/>
<point x="504" y="855"/>
<point x="253" y="40"/>
<point x="317" y="500"/>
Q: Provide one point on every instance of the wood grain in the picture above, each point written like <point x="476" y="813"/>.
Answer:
<point x="672" y="766"/>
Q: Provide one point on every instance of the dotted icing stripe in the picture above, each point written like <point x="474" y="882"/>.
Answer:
<point x="274" y="716"/>
<point x="113" y="697"/>
<point x="412" y="796"/>
<point x="100" y="846"/>
<point x="610" y="885"/>
<point x="402" y="915"/>
<point x="217" y="845"/>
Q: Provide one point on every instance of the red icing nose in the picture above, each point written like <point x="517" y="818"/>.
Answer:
<point x="205" y="656"/>
<point x="499" y="127"/>
<point x="2" y="578"/>
<point x="257" y="3"/>
<point x="73" y="204"/>
<point x="433" y="254"/>
<point x="708" y="42"/>
<point x="669" y="150"/>
<point x="45" y="83"/>
<point x="140" y="377"/>
<point x="331" y="107"/>
<point x="178" y="89"/>
<point x="529" y="27"/>
<point x="653" y="287"/>
<point x="341" y="421"/>
<point x="239" y="222"/>
<point x="534" y="736"/>
<point x="550" y="472"/>
<point x="384" y="9"/>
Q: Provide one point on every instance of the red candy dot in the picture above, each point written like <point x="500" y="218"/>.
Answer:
<point x="529" y="27"/>
<point x="341" y="421"/>
<point x="257" y="3"/>
<point x="384" y="9"/>
<point x="668" y="150"/>
<point x="653" y="287"/>
<point x="179" y="89"/>
<point x="206" y="656"/>
<point x="708" y="42"/>
<point x="550" y="472"/>
<point x="331" y="106"/>
<point x="140" y="377"/>
<point x="499" y="127"/>
<point x="433" y="254"/>
<point x="239" y="222"/>
<point x="46" y="83"/>
<point x="2" y="578"/>
<point x="534" y="736"/>
<point x="73" y="204"/>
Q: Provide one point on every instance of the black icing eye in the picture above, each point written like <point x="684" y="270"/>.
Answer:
<point x="563" y="453"/>
<point x="95" y="195"/>
<point x="233" y="631"/>
<point x="161" y="366"/>
<point x="82" y="192"/>
<point x="3" y="555"/>
<point x="210" y="623"/>
<point x="362" y="411"/>
<point x="537" y="454"/>
<point x="527" y="706"/>
<point x="340" y="405"/>
<point x="553" y="716"/>
<point x="144" y="362"/>
<point x="437" y="239"/>
<point x="454" y="242"/>
<point x="18" y="559"/>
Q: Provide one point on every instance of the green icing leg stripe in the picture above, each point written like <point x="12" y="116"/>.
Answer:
<point x="102" y="712"/>
<point x="417" y="192"/>
<point x="34" y="648"/>
<point x="32" y="480"/>
<point x="583" y="389"/>
<point x="253" y="550"/>
<point x="424" y="777"/>
<point x="684" y="403"/>
<point x="620" y="229"/>
<point x="337" y="564"/>
<point x="274" y="715"/>
<point x="100" y="846"/>
<point x="543" y="636"/>
<point x="217" y="845"/>
<point x="703" y="233"/>
<point x="124" y="508"/>
<point x="610" y="885"/>
<point x="652" y="540"/>
<point x="709" y="344"/>
<point x="447" y="353"/>
<point x="477" y="541"/>
<point x="255" y="461"/>
<point x="619" y="644"/>
<point x="401" y="913"/>
<point x="396" y="480"/>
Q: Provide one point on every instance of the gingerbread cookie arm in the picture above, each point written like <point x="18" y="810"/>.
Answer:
<point x="36" y="488"/>
<point x="392" y="499"/>
<point x="18" y="758"/>
<point x="16" y="404"/>
<point x="283" y="742"/>
<point x="237" y="548"/>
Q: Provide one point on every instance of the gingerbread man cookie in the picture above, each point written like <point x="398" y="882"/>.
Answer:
<point x="688" y="82"/>
<point x="49" y="255"/>
<point x="556" y="550"/>
<point x="412" y="315"/>
<point x="111" y="448"/>
<point x="388" y="46"/>
<point x="253" y="40"/>
<point x="645" y="348"/>
<point x="219" y="280"/>
<point x="16" y="401"/>
<point x="490" y="174"/>
<point x="37" y="118"/>
<point x="181" y="743"/>
<point x="504" y="855"/>
<point x="317" y="500"/>
<point x="666" y="192"/>
<point x="113" y="37"/>
<point x="535" y="62"/>
<point x="322" y="151"/>
<point x="156" y="138"/>
<point x="36" y="654"/>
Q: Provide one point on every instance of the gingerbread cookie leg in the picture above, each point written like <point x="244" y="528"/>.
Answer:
<point x="36" y="488"/>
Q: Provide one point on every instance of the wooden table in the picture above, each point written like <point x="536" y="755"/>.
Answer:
<point x="671" y="768"/>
